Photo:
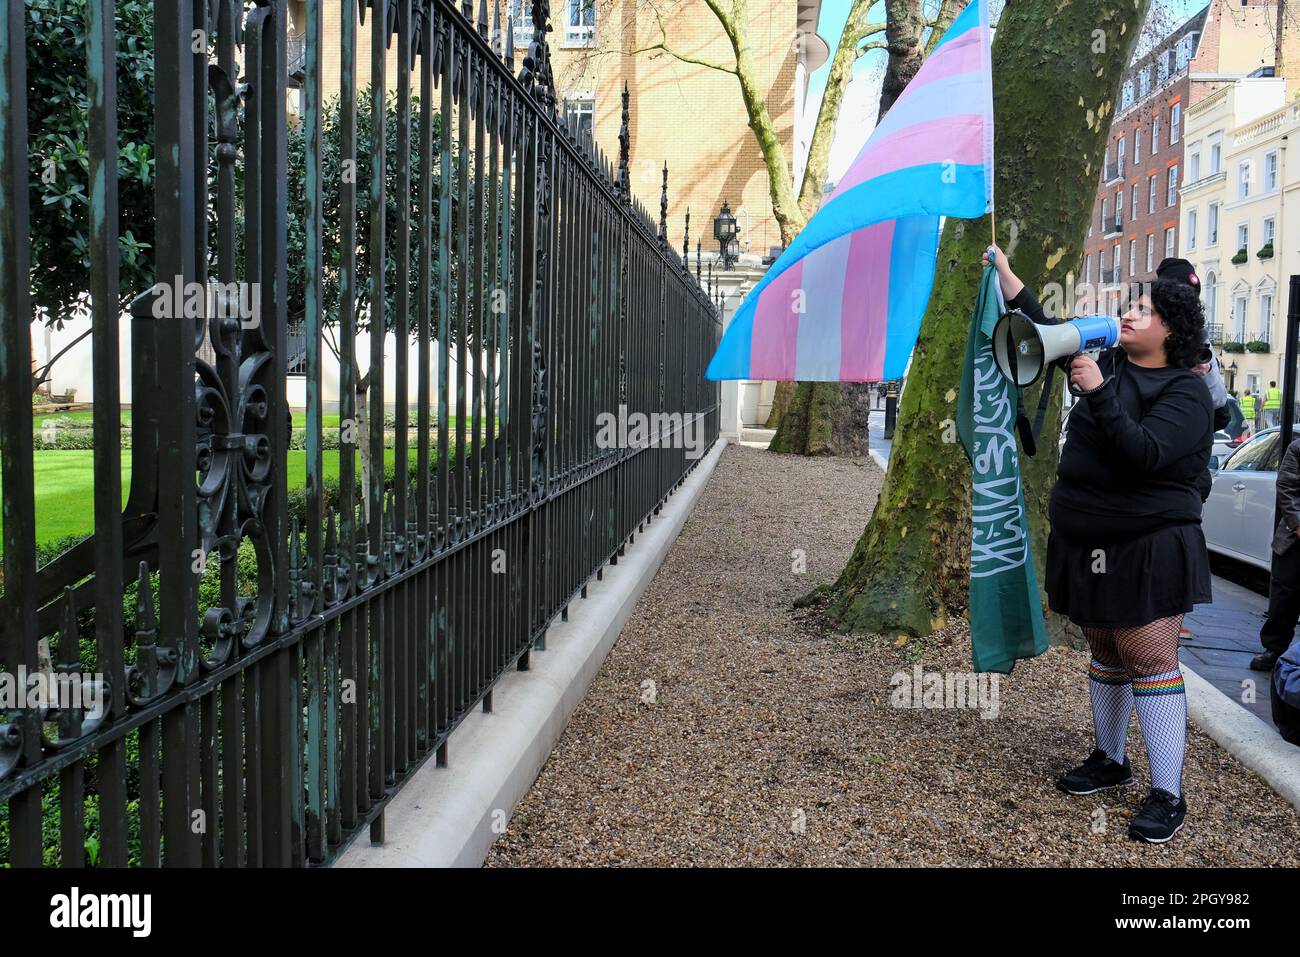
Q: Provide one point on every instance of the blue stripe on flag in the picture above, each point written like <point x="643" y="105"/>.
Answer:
<point x="968" y="19"/>
<point x="916" y="244"/>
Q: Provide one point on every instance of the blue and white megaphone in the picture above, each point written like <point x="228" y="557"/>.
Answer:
<point x="1022" y="348"/>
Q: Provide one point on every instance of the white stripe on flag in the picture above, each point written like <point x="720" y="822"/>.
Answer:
<point x="817" y="351"/>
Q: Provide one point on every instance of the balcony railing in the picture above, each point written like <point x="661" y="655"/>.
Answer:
<point x="1112" y="225"/>
<point x="1215" y="331"/>
<point x="1114" y="171"/>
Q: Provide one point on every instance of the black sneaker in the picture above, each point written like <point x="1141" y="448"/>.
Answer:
<point x="1096" y="774"/>
<point x="1160" y="819"/>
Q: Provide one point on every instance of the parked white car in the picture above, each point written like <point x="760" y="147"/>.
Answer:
<point x="1238" y="515"/>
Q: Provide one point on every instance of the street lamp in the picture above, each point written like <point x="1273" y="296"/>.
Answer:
<point x="724" y="231"/>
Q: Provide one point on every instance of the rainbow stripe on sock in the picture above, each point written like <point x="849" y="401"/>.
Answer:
<point x="1171" y="683"/>
<point x="1107" y="676"/>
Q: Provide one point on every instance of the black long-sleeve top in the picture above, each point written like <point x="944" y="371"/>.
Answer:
<point x="1136" y="450"/>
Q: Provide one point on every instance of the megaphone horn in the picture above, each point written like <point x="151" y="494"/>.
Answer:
<point x="1022" y="348"/>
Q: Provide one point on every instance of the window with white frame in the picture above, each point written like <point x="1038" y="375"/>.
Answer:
<point x="1244" y="176"/>
<point x="1101" y="262"/>
<point x="1172" y="195"/>
<point x="1151" y="251"/>
<point x="1137" y="145"/>
<point x="1243" y="236"/>
<point x="1151" y="194"/>
<point x="1126" y="96"/>
<point x="1119" y="207"/>
<point x="1239" y="315"/>
<point x="1123" y="143"/>
<point x="1105" y="222"/>
<point x="1211" y="297"/>
<point x="580" y="24"/>
<point x="1270" y="230"/>
<point x="1171" y="241"/>
<point x="1189" y="234"/>
<point x="583" y="106"/>
<point x="1132" y="257"/>
<point x="1193" y="162"/>
<point x="1144" y="81"/>
<point x="1212" y="235"/>
<point x="1133" y="202"/>
<point x="1183" y="53"/>
<point x="1087" y="268"/>
<point x="1155" y="133"/>
<point x="1162" y="67"/>
<point x="1266" y="314"/>
<point x="1216" y="152"/>
<point x="521" y="16"/>
<point x="1175" y="122"/>
<point x="1270" y="171"/>
<point x="1119" y="264"/>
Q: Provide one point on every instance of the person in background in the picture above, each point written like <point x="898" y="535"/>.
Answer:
<point x="1273" y="405"/>
<point x="1284" y="574"/>
<point x="1249" y="408"/>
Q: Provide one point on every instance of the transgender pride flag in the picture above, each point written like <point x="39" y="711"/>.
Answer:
<point x="844" y="302"/>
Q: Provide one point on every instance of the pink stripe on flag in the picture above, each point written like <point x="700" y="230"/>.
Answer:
<point x="963" y="55"/>
<point x="776" y="328"/>
<point x="865" y="315"/>
<point x="956" y="139"/>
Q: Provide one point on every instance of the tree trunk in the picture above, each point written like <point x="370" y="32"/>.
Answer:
<point x="825" y="418"/>
<point x="780" y="402"/>
<point x="1056" y="70"/>
<point x="904" y="24"/>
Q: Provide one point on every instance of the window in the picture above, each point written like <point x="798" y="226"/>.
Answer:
<point x="1270" y="171"/>
<point x="1132" y="257"/>
<point x="1151" y="251"/>
<point x="1216" y="153"/>
<point x="1123" y="143"/>
<point x="1189" y="234"/>
<point x="1172" y="196"/>
<point x="1211" y="296"/>
<point x="1087" y="268"/>
<point x="581" y="105"/>
<point x="1105" y="222"/>
<point x="1255" y="455"/>
<point x="1270" y="230"/>
<point x="1126" y="97"/>
<point x="1175" y="122"/>
<point x="1239" y="316"/>
<point x="1170" y="241"/>
<point x="1101" y="260"/>
<point x="1133" y="202"/>
<point x="1151" y="194"/>
<point x="1193" y="163"/>
<point x="1144" y="82"/>
<point x="1137" y="145"/>
<point x="1266" y="315"/>
<point x="1183" y="53"/>
<point x="1119" y="207"/>
<point x="1155" y="133"/>
<point x="1243" y="236"/>
<point x="1162" y="67"/>
<point x="580" y="25"/>
<point x="1244" y="177"/>
<point x="1119" y="264"/>
<point x="1212" y="237"/>
<point x="523" y="22"/>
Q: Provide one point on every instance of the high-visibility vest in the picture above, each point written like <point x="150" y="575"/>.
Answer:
<point x="1248" y="405"/>
<point x="1273" y="399"/>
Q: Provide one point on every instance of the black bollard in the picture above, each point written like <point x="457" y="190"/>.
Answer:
<point x="891" y="410"/>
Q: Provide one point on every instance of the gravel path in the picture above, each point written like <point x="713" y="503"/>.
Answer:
<point x="767" y="740"/>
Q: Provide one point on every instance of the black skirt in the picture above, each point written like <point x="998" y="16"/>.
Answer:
<point x="1128" y="583"/>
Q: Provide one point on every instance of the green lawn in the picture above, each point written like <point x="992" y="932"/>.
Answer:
<point x="65" y="489"/>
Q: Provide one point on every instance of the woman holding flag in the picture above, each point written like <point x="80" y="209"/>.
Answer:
<point x="1126" y="557"/>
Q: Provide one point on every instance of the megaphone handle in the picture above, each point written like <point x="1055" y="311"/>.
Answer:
<point x="1064" y="363"/>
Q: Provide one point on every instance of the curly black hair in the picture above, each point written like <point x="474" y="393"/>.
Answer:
<point x="1179" y="306"/>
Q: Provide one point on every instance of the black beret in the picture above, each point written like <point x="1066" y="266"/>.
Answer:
<point x="1179" y="270"/>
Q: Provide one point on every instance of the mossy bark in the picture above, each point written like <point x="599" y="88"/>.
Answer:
<point x="824" y="418"/>
<point x="780" y="402"/>
<point x="1056" y="72"/>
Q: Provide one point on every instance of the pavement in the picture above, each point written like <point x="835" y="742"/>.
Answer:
<point x="1220" y="638"/>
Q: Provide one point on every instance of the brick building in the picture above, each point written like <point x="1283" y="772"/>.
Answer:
<point x="1137" y="211"/>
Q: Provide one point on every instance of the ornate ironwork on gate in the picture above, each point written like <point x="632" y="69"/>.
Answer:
<point x="285" y="621"/>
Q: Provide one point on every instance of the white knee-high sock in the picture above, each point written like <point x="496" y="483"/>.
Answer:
<point x="1161" y="702"/>
<point x="1112" y="706"/>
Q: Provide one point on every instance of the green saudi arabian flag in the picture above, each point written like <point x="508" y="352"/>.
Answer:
<point x="1006" y="615"/>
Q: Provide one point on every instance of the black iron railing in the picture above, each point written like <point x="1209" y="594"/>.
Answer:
<point x="279" y="648"/>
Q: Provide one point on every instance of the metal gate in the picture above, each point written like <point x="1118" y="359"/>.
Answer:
<point x="279" y="656"/>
